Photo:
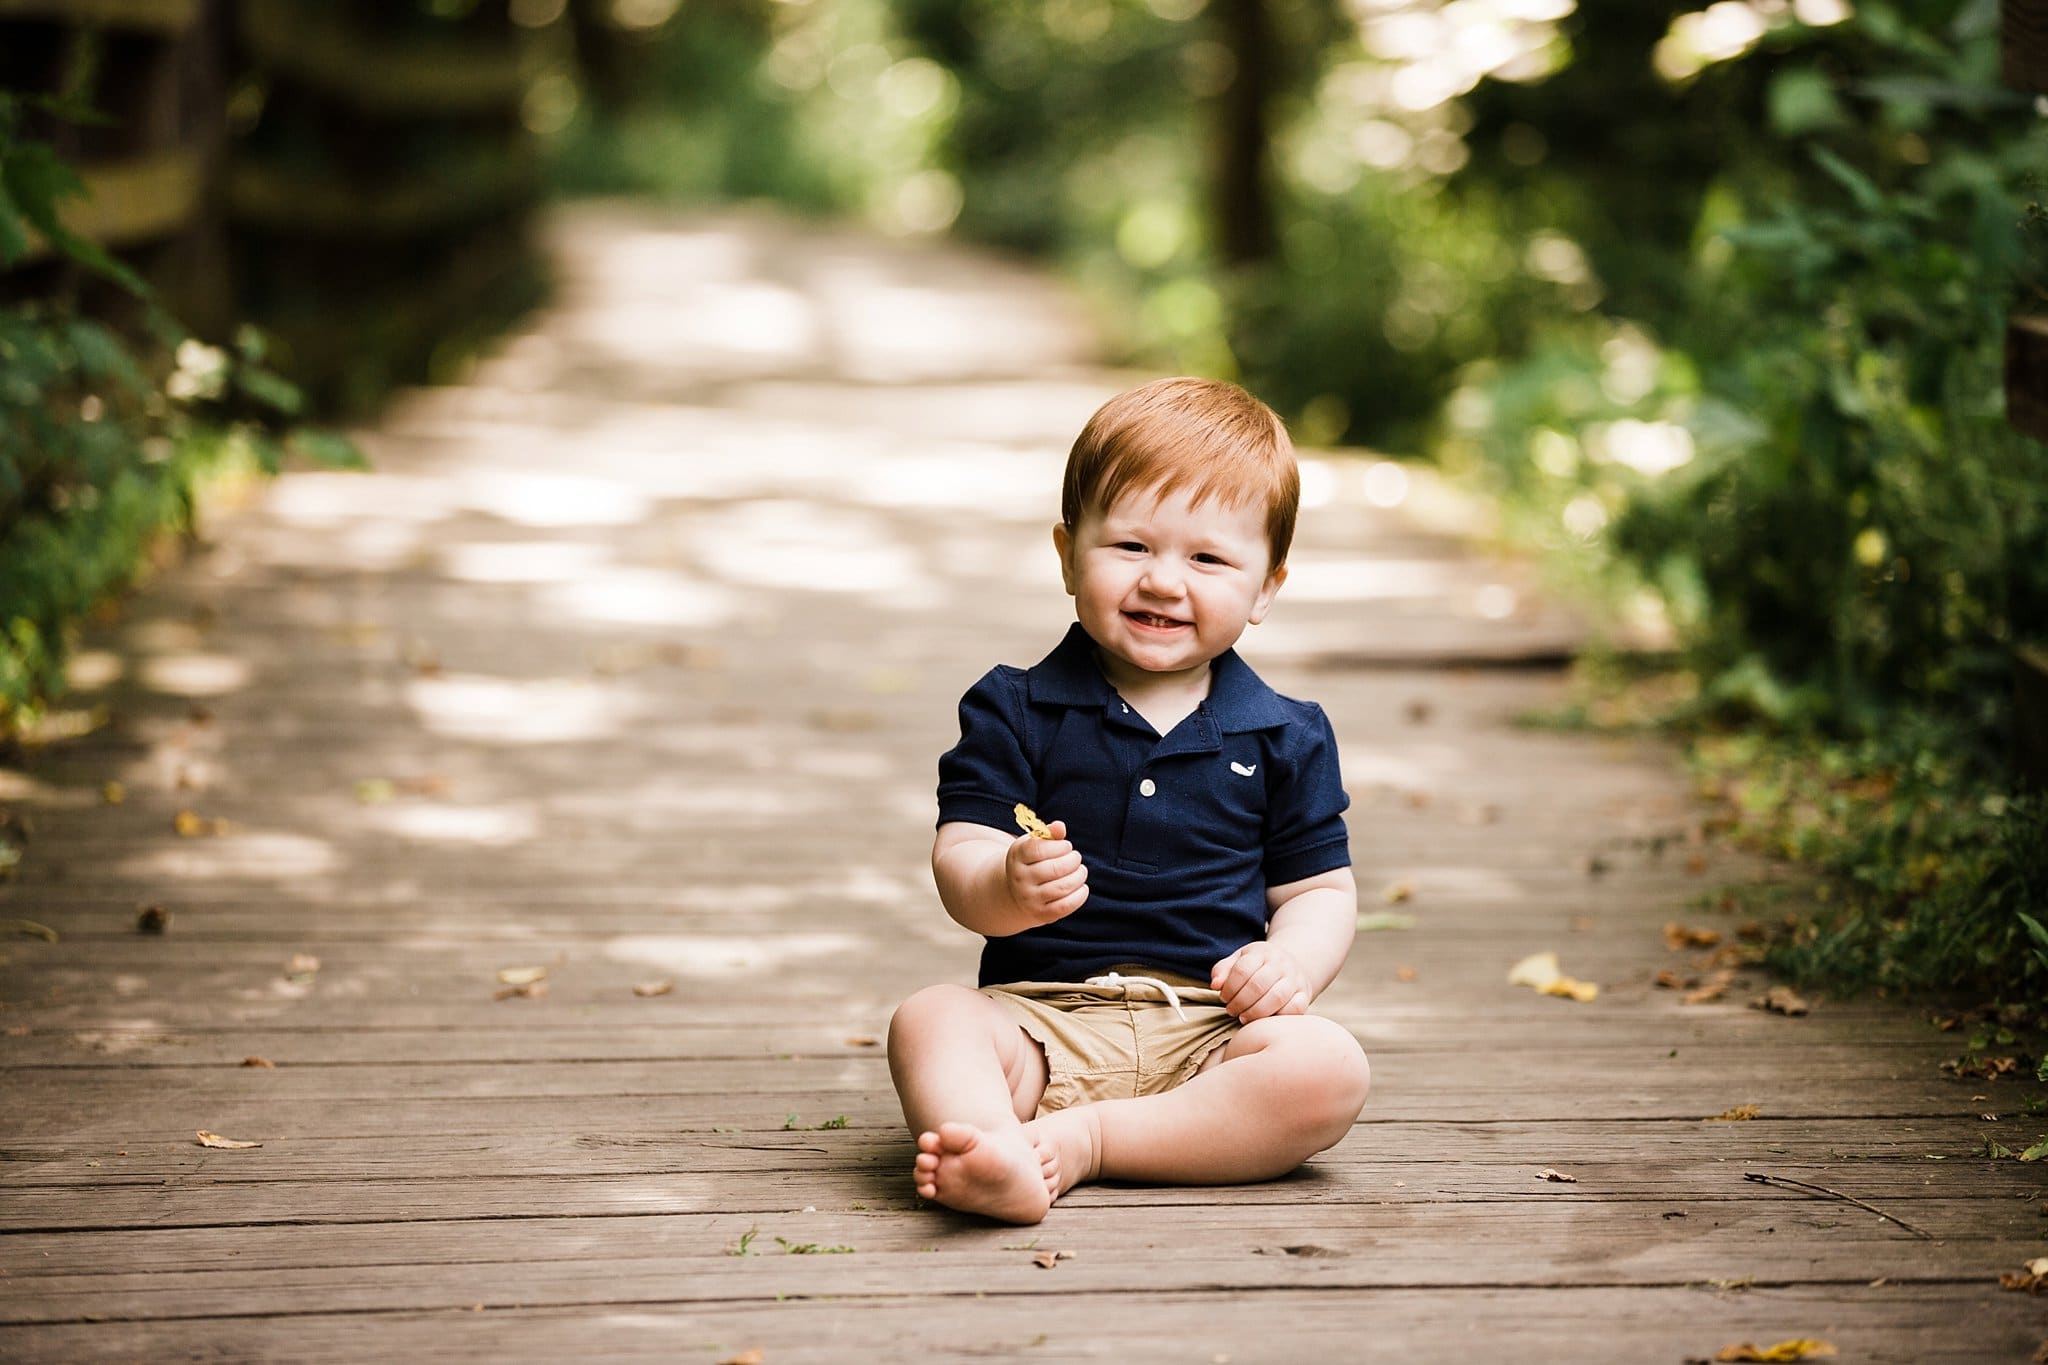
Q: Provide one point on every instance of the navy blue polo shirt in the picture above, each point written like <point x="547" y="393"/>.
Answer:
<point x="1181" y="834"/>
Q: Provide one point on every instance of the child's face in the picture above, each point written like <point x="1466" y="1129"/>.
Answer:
<point x="1164" y="586"/>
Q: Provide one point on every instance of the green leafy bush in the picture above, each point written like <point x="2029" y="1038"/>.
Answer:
<point x="103" y="437"/>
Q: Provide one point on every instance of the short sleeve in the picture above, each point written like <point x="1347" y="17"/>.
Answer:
<point x="985" y="775"/>
<point x="1305" y="833"/>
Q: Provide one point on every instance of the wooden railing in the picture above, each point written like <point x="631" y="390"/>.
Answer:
<point x="2023" y="39"/>
<point x="357" y="179"/>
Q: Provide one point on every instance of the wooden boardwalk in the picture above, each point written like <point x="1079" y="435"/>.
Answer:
<point x="631" y="662"/>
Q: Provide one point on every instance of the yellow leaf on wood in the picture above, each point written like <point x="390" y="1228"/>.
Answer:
<point x="1570" y="989"/>
<point x="753" y="1355"/>
<point x="662" y="987"/>
<point x="1397" y="892"/>
<point x="1537" y="969"/>
<point x="207" y="1139"/>
<point x="1798" y="1348"/>
<point x="521" y="976"/>
<point x="1736" y="1115"/>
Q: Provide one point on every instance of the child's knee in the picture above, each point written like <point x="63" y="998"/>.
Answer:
<point x="933" y="1009"/>
<point x="1325" y="1072"/>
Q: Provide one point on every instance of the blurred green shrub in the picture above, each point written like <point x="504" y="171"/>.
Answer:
<point x="103" y="436"/>
<point x="1810" y="464"/>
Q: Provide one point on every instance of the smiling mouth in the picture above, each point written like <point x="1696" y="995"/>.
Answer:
<point x="1150" y="621"/>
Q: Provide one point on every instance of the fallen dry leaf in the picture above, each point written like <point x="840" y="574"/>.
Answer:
<point x="1676" y="981"/>
<point x="1046" y="1260"/>
<point x="113" y="793"/>
<point x="526" y="990"/>
<point x="662" y="987"/>
<point x="1398" y="892"/>
<point x="263" y="1062"/>
<point x="1736" y="955"/>
<point x="375" y="791"/>
<point x="863" y="1040"/>
<point x="301" y="964"/>
<point x="28" y="928"/>
<point x="207" y="1139"/>
<point x="1537" y="969"/>
<point x="753" y="1355"/>
<point x="2033" y="1280"/>
<point x="1540" y="970"/>
<point x="152" y="919"/>
<point x="1677" y="936"/>
<point x="1404" y="973"/>
<point x="1798" y="1348"/>
<point x="1711" y="989"/>
<point x="191" y="825"/>
<point x="521" y="976"/>
<point x="1981" y="1068"/>
<point x="1736" y="1115"/>
<point x="1558" y="1176"/>
<point x="1377" y="920"/>
<point x="1781" y="1000"/>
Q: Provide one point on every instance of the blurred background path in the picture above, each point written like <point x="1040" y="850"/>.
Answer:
<point x="541" y="820"/>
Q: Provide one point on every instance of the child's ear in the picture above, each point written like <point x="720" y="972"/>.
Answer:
<point x="1267" y="592"/>
<point x="1063" y="542"/>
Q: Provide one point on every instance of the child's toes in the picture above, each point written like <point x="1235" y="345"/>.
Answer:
<point x="955" y="1138"/>
<point x="928" y="1141"/>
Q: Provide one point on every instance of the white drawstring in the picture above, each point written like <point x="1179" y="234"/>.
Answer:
<point x="1113" y="979"/>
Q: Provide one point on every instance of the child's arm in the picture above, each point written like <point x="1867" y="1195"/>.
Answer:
<point x="997" y="885"/>
<point x="1311" y="923"/>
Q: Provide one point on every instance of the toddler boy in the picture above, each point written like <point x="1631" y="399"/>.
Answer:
<point x="1150" y="957"/>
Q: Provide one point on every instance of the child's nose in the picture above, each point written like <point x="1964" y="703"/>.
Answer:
<point x="1163" y="578"/>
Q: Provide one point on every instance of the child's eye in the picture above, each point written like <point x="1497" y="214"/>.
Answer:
<point x="1211" y="559"/>
<point x="1131" y="545"/>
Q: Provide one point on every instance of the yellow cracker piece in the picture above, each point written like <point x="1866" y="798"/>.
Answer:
<point x="1030" y="823"/>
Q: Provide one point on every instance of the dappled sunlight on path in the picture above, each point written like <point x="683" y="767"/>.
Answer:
<point x="544" y="815"/>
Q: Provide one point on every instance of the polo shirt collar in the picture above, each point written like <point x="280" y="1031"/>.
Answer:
<point x="1238" y="699"/>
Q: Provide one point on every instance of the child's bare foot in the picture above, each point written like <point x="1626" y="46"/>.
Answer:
<point x="1000" y="1172"/>
<point x="1073" y="1137"/>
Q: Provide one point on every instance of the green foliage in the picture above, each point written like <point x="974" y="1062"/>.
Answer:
<point x="103" y="439"/>
<point x="1937" y="882"/>
<point x="1813" y="469"/>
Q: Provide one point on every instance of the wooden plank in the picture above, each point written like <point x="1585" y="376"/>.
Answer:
<point x="1137" y="1219"/>
<point x="141" y="199"/>
<point x="1868" y="1151"/>
<point x="156" y="16"/>
<point x="2023" y="48"/>
<point x="277" y="199"/>
<point x="2026" y="365"/>
<point x="316" y="44"/>
<point x="1393" y="1248"/>
<point x="1938" y="1324"/>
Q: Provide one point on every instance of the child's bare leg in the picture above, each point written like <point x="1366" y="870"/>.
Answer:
<point x="1287" y="1087"/>
<point x="968" y="1077"/>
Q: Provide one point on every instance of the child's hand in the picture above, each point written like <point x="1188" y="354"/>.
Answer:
<point x="1046" y="877"/>
<point x="1261" y="979"/>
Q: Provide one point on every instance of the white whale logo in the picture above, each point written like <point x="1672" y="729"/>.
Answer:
<point x="1241" y="770"/>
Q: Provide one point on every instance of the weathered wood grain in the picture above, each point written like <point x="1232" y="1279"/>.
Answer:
<point x="749" y="815"/>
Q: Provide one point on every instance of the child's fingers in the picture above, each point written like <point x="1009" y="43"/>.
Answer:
<point x="1067" y="904"/>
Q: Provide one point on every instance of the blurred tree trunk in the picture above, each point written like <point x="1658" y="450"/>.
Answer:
<point x="1245" y="231"/>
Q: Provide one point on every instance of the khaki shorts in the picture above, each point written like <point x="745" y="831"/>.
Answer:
<point x="1108" y="1042"/>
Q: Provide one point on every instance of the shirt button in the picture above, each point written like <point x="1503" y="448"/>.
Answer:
<point x="1147" y="787"/>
